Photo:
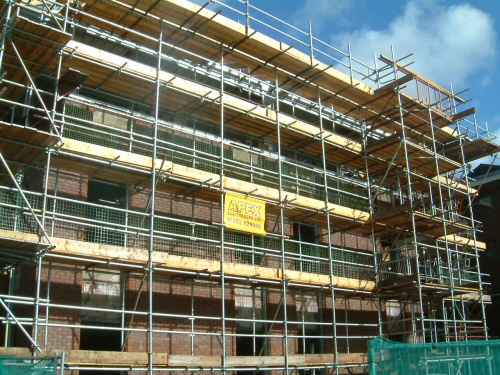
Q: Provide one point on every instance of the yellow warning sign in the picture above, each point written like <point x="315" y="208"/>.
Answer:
<point x="245" y="214"/>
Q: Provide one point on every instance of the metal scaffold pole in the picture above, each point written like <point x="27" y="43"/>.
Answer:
<point x="474" y="240"/>
<point x="411" y="198"/>
<point x="282" y="203"/>
<point x="372" y="196"/>
<point x="222" y="205"/>
<point x="154" y="177"/>
<point x="331" y="255"/>
<point x="442" y="207"/>
<point x="5" y="32"/>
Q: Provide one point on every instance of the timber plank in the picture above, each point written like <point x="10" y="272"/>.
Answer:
<point x="93" y="357"/>
<point x="463" y="241"/>
<point x="196" y="361"/>
<point x="422" y="159"/>
<point x="107" y="358"/>
<point x="88" y="252"/>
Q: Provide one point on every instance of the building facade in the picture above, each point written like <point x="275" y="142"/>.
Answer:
<point x="182" y="192"/>
<point x="485" y="178"/>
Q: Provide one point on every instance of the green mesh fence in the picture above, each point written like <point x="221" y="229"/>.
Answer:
<point x="27" y="365"/>
<point x="443" y="358"/>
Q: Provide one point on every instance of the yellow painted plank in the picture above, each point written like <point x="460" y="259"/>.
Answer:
<point x="93" y="251"/>
<point x="109" y="358"/>
<point x="192" y="174"/>
<point x="463" y="241"/>
<point x="93" y="357"/>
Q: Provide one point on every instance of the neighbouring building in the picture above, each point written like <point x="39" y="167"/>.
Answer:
<point x="486" y="178"/>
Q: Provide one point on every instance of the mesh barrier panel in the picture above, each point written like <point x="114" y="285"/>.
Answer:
<point x="27" y="365"/>
<point x="443" y="358"/>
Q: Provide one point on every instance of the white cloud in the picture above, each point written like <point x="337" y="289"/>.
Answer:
<point x="321" y="13"/>
<point x="449" y="43"/>
<point x="486" y="81"/>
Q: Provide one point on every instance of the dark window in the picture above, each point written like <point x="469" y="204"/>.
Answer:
<point x="100" y="339"/>
<point x="484" y="205"/>
<point x="310" y="345"/>
<point x="307" y="250"/>
<point x="107" y="222"/>
<point x="493" y="248"/>
<point x="248" y="345"/>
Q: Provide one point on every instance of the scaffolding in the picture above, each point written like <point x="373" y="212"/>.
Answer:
<point x="124" y="127"/>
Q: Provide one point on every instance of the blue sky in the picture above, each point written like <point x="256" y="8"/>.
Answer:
<point x="452" y="42"/>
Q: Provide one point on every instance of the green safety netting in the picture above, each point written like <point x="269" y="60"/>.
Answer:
<point x="28" y="365"/>
<point x="443" y="358"/>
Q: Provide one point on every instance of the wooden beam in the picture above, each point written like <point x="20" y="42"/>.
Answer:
<point x="90" y="252"/>
<point x="396" y="83"/>
<point x="257" y="42"/>
<point x="93" y="357"/>
<point x="447" y="181"/>
<point x="167" y="168"/>
<point x="475" y="297"/>
<point x="435" y="86"/>
<point x="463" y="241"/>
<point x="463" y="114"/>
<point x="340" y="358"/>
<point x="109" y="358"/>
<point x="194" y="361"/>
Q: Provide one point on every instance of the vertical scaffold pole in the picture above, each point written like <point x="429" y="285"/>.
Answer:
<point x="350" y="64"/>
<point x="474" y="237"/>
<point x="331" y="256"/>
<point x="470" y="199"/>
<point x="411" y="199"/>
<point x="37" y="303"/>
<point x="282" y="223"/>
<point x="223" y="229"/>
<point x="371" y="203"/>
<point x="46" y="189"/>
<point x="47" y="306"/>
<point x="445" y="230"/>
<point x="5" y="31"/>
<point x="152" y="205"/>
<point x="123" y="304"/>
<point x="311" y="46"/>
<point x="408" y="176"/>
<point x="247" y="16"/>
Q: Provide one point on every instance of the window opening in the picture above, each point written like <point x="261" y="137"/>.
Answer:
<point x="107" y="224"/>
<point x="308" y="251"/>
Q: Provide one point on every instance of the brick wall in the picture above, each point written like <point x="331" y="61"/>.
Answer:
<point x="61" y="287"/>
<point x="177" y="301"/>
<point x="173" y="298"/>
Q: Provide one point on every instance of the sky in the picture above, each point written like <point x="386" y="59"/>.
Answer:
<point x="455" y="44"/>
